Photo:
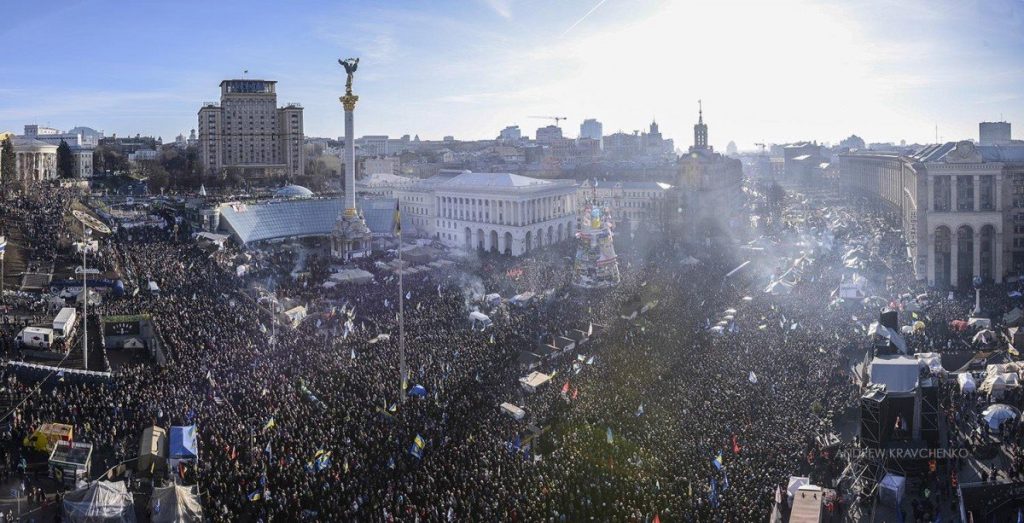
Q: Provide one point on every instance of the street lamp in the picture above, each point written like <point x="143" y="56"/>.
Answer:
<point x="977" y="295"/>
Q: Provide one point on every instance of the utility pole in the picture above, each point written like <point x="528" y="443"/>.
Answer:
<point x="401" y="322"/>
<point x="86" y="232"/>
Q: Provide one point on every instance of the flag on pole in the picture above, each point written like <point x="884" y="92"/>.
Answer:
<point x="717" y="462"/>
<point x="752" y="378"/>
<point x="270" y="424"/>
<point x="397" y="221"/>
<point x="565" y="388"/>
<point x="610" y="437"/>
<point x="270" y="453"/>
<point x="640" y="410"/>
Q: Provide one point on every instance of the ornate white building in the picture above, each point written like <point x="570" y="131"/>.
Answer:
<point x="497" y="212"/>
<point x="35" y="160"/>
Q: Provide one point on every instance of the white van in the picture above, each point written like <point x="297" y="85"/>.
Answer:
<point x="36" y="337"/>
<point x="64" y="322"/>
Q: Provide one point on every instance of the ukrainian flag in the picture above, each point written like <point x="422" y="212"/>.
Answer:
<point x="419" y="441"/>
<point x="270" y="424"/>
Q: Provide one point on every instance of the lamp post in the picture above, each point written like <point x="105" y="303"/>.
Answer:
<point x="977" y="295"/>
<point x="86" y="232"/>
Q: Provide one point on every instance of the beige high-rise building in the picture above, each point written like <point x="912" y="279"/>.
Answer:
<point x="248" y="131"/>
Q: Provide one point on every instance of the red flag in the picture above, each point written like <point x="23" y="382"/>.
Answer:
<point x="234" y="453"/>
<point x="575" y="392"/>
<point x="656" y="519"/>
<point x="735" y="445"/>
<point x="565" y="388"/>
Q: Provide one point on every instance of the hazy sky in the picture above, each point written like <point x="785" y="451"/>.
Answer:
<point x="769" y="71"/>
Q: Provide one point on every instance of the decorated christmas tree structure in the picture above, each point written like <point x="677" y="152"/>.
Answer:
<point x="596" y="263"/>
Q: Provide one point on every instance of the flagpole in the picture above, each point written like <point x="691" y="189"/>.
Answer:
<point x="401" y="319"/>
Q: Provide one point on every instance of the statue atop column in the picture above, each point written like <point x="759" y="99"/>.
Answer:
<point x="349" y="100"/>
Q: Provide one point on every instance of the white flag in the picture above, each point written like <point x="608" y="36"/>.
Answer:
<point x="752" y="377"/>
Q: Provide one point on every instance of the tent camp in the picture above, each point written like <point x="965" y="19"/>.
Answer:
<point x="100" y="501"/>
<point x="176" y="503"/>
<point x="152" y="449"/>
<point x="183" y="445"/>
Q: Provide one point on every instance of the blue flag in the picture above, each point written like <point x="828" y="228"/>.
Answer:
<point x="717" y="461"/>
<point x="713" y="497"/>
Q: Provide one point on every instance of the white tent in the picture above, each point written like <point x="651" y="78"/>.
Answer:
<point x="100" y="501"/>
<point x="533" y="381"/>
<point x="879" y="330"/>
<point x="984" y="336"/>
<point x="795" y="482"/>
<point x="479" y="320"/>
<point x="966" y="382"/>
<point x="982" y="323"/>
<point x="890" y="490"/>
<point x="996" y="414"/>
<point x="176" y="503"/>
<point x="996" y="384"/>
<point x="932" y="360"/>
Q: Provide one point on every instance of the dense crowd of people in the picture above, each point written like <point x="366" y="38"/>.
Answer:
<point x="655" y="415"/>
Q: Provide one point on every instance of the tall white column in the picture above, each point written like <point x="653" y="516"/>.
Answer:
<point x="977" y="193"/>
<point x="350" y="162"/>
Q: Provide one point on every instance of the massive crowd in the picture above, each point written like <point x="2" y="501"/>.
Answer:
<point x="658" y="416"/>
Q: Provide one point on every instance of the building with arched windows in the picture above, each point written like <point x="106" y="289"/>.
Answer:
<point x="961" y="207"/>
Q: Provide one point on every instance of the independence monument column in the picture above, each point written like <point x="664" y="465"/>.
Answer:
<point x="351" y="237"/>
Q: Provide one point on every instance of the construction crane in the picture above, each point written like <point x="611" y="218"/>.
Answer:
<point x="761" y="145"/>
<point x="555" y="118"/>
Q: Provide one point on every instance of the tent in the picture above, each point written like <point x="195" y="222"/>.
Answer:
<point x="176" y="503"/>
<point x="100" y="501"/>
<point x="533" y="381"/>
<point x="966" y="382"/>
<point x="890" y="490"/>
<point x="183" y="445"/>
<point x="996" y="414"/>
<point x="995" y="384"/>
<point x="932" y="360"/>
<point x="878" y="330"/>
<point x="152" y="449"/>
<point x="418" y="391"/>
<point x="984" y="336"/>
<point x="513" y="411"/>
<point x="1014" y="317"/>
<point x="981" y="323"/>
<point x="795" y="482"/>
<point x="479" y="320"/>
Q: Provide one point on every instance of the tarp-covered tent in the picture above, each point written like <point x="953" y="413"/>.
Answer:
<point x="1014" y="317"/>
<point x="984" y="337"/>
<point x="996" y="414"/>
<point x="899" y="374"/>
<point x="100" y="501"/>
<point x="176" y="503"/>
<point x="795" y="482"/>
<point x="890" y="490"/>
<point x="966" y="382"/>
<point x="981" y="323"/>
<point x="183" y="445"/>
<point x="881" y="331"/>
<point x="932" y="360"/>
<point x="533" y="381"/>
<point x="479" y="320"/>
<point x="152" y="449"/>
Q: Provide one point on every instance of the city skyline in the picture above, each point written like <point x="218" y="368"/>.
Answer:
<point x="767" y="73"/>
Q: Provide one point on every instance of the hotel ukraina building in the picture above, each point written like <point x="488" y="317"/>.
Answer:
<point x="961" y="206"/>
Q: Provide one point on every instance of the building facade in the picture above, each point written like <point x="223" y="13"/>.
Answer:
<point x="632" y="203"/>
<point x="969" y="202"/>
<point x="549" y="134"/>
<point x="591" y="128"/>
<point x="994" y="133"/>
<point x="248" y="131"/>
<point x="81" y="141"/>
<point x="35" y="160"/>
<point x="709" y="192"/>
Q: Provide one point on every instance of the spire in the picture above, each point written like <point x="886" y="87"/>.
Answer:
<point x="700" y="130"/>
<point x="700" y="112"/>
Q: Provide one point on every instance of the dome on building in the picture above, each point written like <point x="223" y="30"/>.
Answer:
<point x="293" y="191"/>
